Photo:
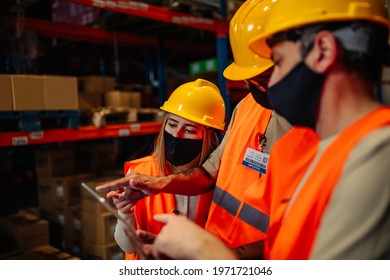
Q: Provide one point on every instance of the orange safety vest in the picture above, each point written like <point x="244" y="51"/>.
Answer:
<point x="237" y="214"/>
<point x="296" y="233"/>
<point x="290" y="157"/>
<point x="160" y="203"/>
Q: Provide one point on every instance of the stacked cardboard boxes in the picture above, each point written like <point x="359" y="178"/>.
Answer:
<point x="34" y="92"/>
<point x="46" y="252"/>
<point x="122" y="99"/>
<point x="96" y="157"/>
<point x="98" y="226"/>
<point x="59" y="193"/>
<point x="71" y="233"/>
<point x="26" y="230"/>
<point x="50" y="163"/>
<point x="92" y="89"/>
<point x="85" y="227"/>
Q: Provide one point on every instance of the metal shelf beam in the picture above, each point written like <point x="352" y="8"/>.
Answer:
<point x="78" y="33"/>
<point x="153" y="12"/>
<point x="12" y="139"/>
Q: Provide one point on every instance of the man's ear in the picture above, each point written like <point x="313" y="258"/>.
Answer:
<point x="324" y="52"/>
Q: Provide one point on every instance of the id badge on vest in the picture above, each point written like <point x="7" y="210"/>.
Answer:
<point x="257" y="159"/>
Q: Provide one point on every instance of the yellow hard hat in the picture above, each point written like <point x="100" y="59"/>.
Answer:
<point x="199" y="101"/>
<point x="246" y="23"/>
<point x="285" y="15"/>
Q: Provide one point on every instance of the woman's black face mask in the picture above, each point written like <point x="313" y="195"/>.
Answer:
<point x="180" y="151"/>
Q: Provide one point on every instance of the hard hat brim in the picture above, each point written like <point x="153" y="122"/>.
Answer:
<point x="235" y="72"/>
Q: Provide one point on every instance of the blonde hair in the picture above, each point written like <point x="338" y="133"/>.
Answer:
<point x="210" y="143"/>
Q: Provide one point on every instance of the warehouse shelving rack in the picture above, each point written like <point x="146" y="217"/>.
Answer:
<point x="81" y="33"/>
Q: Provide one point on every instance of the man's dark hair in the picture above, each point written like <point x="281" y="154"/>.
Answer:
<point x="363" y="44"/>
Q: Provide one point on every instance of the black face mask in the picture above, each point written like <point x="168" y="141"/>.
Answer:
<point x="259" y="96"/>
<point x="180" y="151"/>
<point x="297" y="95"/>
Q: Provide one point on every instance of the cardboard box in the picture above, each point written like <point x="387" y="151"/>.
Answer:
<point x="28" y="92"/>
<point x="32" y="92"/>
<point x="68" y="189"/>
<point x="96" y="156"/>
<point x="136" y="100"/>
<point x="72" y="244"/>
<point x="46" y="191"/>
<point x="118" y="99"/>
<point x="29" y="211"/>
<point x="109" y="83"/>
<point x="72" y="224"/>
<point x="54" y="162"/>
<point x="92" y="84"/>
<point x="60" y="199"/>
<point x="89" y="203"/>
<point x="96" y="84"/>
<point x="93" y="251"/>
<point x="46" y="252"/>
<point x="61" y="93"/>
<point x="90" y="100"/>
<point x="47" y="210"/>
<point x="69" y="217"/>
<point x="98" y="228"/>
<point x="6" y="100"/>
<point x="66" y="218"/>
<point x="28" y="231"/>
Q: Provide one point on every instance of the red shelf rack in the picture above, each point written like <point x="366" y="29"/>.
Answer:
<point x="153" y="12"/>
<point x="12" y="139"/>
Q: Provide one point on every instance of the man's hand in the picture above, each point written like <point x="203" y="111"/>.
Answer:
<point x="181" y="238"/>
<point x="136" y="186"/>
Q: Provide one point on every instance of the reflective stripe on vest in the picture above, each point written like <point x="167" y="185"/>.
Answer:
<point x="242" y="185"/>
<point x="248" y="214"/>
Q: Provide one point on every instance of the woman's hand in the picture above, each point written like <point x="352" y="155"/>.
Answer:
<point x="122" y="204"/>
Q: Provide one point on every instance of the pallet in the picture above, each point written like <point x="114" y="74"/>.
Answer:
<point x="102" y="116"/>
<point x="39" y="120"/>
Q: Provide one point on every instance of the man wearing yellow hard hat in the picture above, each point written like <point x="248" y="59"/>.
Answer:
<point x="328" y="57"/>
<point x="239" y="214"/>
<point x="340" y="207"/>
<point x="237" y="168"/>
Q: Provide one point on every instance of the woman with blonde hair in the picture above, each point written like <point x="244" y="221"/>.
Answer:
<point x="195" y="110"/>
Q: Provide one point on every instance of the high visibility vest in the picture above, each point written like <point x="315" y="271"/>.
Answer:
<point x="237" y="214"/>
<point x="161" y="203"/>
<point x="296" y="233"/>
<point x="290" y="157"/>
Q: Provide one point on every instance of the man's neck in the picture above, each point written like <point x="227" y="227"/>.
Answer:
<point x="344" y="100"/>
